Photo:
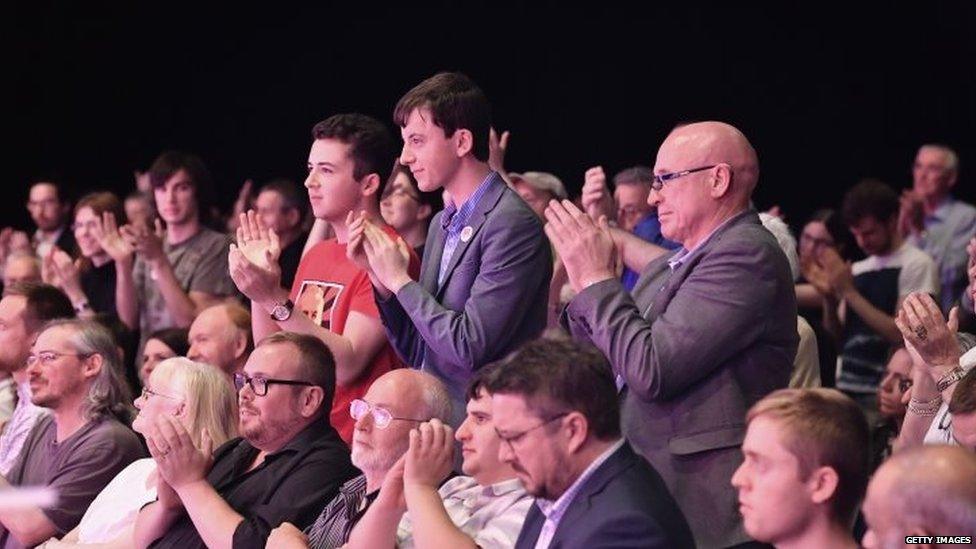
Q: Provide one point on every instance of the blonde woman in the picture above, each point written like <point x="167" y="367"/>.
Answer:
<point x="202" y="397"/>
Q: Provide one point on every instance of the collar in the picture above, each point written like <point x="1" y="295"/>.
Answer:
<point x="503" y="487"/>
<point x="556" y="508"/>
<point x="683" y="254"/>
<point x="451" y="211"/>
<point x="942" y="211"/>
<point x="318" y="433"/>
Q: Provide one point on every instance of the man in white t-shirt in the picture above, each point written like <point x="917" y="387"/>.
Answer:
<point x="862" y="298"/>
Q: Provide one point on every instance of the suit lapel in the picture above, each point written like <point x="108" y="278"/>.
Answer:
<point x="435" y="250"/>
<point x="581" y="505"/>
<point x="531" y="528"/>
<point x="475" y="221"/>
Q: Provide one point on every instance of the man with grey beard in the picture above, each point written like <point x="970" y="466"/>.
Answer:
<point x="396" y="403"/>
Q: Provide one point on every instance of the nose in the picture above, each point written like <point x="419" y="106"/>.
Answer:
<point x="737" y="477"/>
<point x="364" y="423"/>
<point x="193" y="353"/>
<point x="653" y="198"/>
<point x="310" y="181"/>
<point x="406" y="157"/>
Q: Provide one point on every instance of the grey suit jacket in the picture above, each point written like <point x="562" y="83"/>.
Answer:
<point x="624" y="505"/>
<point x="492" y="300"/>
<point x="696" y="348"/>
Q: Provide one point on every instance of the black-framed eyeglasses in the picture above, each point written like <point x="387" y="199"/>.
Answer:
<point x="259" y="384"/>
<point x="512" y="439"/>
<point x="47" y="357"/>
<point x="660" y="180"/>
<point x="382" y="417"/>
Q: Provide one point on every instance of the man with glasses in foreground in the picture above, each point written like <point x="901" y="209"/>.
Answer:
<point x="287" y="464"/>
<point x="395" y="404"/>
<point x="554" y="404"/>
<point x="708" y="329"/>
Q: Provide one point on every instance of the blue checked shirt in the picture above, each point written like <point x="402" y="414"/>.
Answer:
<point x="455" y="219"/>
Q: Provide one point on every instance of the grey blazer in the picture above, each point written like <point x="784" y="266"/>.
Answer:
<point x="493" y="298"/>
<point x="696" y="348"/>
<point x="624" y="505"/>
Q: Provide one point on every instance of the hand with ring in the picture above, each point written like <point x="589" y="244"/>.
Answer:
<point x="926" y="331"/>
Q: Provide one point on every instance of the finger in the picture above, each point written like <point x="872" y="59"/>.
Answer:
<point x="242" y="235"/>
<point x="425" y="437"/>
<point x="912" y="312"/>
<point x="436" y="434"/>
<point x="108" y="219"/>
<point x="581" y="218"/>
<point x="403" y="248"/>
<point x="933" y="312"/>
<point x="154" y="450"/>
<point x="160" y="231"/>
<point x="181" y="433"/>
<point x="504" y="140"/>
<point x="901" y="322"/>
<point x="554" y="236"/>
<point x="274" y="244"/>
<point x="168" y="433"/>
<point x="492" y="136"/>
<point x="953" y="323"/>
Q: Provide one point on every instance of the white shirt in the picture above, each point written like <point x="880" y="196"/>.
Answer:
<point x="116" y="507"/>
<point x="554" y="511"/>
<point x="491" y="515"/>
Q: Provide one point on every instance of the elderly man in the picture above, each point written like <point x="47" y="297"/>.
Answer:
<point x="393" y="406"/>
<point x="926" y="491"/>
<point x="554" y="405"/>
<point x="221" y="336"/>
<point x="75" y="371"/>
<point x="287" y="464"/>
<point x="709" y="329"/>
<point x="931" y="219"/>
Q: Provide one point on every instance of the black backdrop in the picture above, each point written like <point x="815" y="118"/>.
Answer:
<point x="827" y="93"/>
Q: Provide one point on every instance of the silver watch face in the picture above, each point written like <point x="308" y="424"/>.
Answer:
<point x="281" y="312"/>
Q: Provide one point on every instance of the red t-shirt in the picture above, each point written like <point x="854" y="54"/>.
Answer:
<point x="327" y="287"/>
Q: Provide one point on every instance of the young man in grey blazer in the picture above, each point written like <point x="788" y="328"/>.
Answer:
<point x="486" y="268"/>
<point x="708" y="329"/>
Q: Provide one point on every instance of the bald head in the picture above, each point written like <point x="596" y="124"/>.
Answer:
<point x="416" y="388"/>
<point x="707" y="143"/>
<point x="710" y="172"/>
<point x="930" y="490"/>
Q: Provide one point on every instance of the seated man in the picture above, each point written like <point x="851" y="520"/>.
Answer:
<point x="23" y="311"/>
<point x="76" y="372"/>
<point x="555" y="408"/>
<point x="485" y="509"/>
<point x="927" y="491"/>
<point x="221" y="336"/>
<point x="805" y="469"/>
<point x="287" y="464"/>
<point x="395" y="403"/>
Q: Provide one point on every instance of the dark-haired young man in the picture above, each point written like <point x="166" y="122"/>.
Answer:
<point x="349" y="162"/>
<point x="862" y="299"/>
<point x="177" y="272"/>
<point x="487" y="264"/>
<point x="50" y="212"/>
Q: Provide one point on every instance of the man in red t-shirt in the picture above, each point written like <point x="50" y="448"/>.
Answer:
<point x="348" y="165"/>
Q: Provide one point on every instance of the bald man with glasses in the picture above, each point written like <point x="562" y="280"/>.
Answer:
<point x="396" y="403"/>
<point x="707" y="330"/>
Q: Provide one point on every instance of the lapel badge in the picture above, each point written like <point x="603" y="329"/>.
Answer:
<point x="466" y="233"/>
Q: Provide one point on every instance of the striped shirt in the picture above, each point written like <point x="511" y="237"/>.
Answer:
<point x="337" y="520"/>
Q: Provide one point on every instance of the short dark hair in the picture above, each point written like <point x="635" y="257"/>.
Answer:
<point x="455" y="102"/>
<point x="291" y="196"/>
<point x="843" y="240"/>
<point x="431" y="198"/>
<point x="44" y="303"/>
<point x="870" y="198"/>
<point x="315" y="361"/>
<point x="635" y="175"/>
<point x="558" y="372"/>
<point x="371" y="145"/>
<point x="964" y="395"/>
<point x="169" y="163"/>
<point x="177" y="339"/>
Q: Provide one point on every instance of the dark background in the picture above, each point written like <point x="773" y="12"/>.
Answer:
<point x="827" y="93"/>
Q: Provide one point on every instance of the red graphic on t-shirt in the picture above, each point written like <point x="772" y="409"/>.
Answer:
<point x="318" y="299"/>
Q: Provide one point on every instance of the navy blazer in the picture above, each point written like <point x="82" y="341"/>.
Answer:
<point x="493" y="298"/>
<point x="623" y="505"/>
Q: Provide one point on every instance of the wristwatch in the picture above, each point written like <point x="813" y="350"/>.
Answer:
<point x="282" y="311"/>
<point x="949" y="378"/>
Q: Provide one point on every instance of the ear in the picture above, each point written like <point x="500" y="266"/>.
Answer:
<point x="370" y="184"/>
<point x="424" y="212"/>
<point x="721" y="181"/>
<point x="578" y="431"/>
<point x="240" y="344"/>
<point x="92" y="366"/>
<point x="823" y="484"/>
<point x="181" y="410"/>
<point x="464" y="142"/>
<point x="312" y="400"/>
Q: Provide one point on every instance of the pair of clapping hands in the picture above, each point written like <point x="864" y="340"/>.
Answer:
<point x="179" y="461"/>
<point x="929" y="337"/>
<point x="828" y="273"/>
<point x="424" y="466"/>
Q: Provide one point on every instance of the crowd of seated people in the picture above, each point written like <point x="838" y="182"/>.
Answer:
<point x="422" y="349"/>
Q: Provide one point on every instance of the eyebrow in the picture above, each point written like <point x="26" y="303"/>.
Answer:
<point x="329" y="164"/>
